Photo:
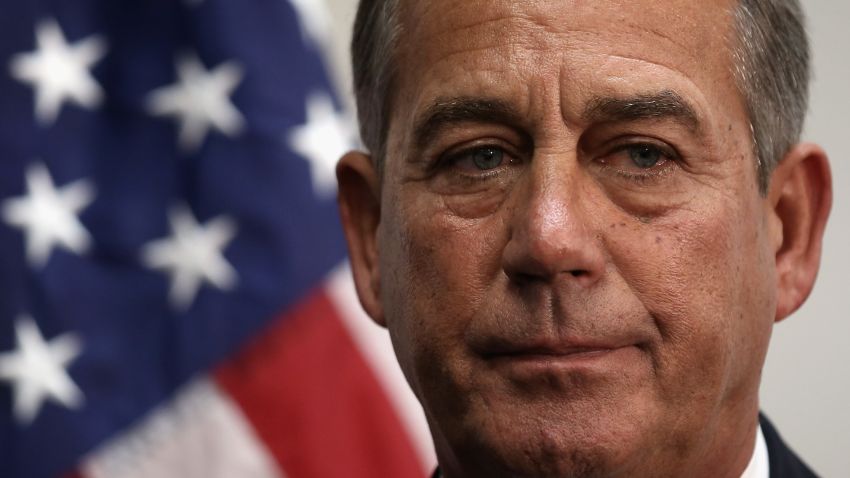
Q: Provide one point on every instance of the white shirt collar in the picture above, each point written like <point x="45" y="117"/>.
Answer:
<point x="759" y="466"/>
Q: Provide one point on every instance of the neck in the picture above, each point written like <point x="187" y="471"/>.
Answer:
<point x="730" y="446"/>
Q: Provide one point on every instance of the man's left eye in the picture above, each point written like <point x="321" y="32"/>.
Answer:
<point x="645" y="156"/>
<point x="640" y="160"/>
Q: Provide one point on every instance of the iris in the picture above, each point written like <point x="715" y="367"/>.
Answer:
<point x="487" y="158"/>
<point x="645" y="156"/>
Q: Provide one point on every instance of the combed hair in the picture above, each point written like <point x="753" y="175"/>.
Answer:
<point x="771" y="66"/>
<point x="376" y="29"/>
<point x="771" y="58"/>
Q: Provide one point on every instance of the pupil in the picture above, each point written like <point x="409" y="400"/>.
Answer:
<point x="487" y="158"/>
<point x="645" y="157"/>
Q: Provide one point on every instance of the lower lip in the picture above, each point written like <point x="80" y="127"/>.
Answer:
<point x="593" y="360"/>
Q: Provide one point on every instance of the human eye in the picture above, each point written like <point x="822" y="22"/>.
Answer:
<point x="481" y="158"/>
<point x="478" y="162"/>
<point x="640" y="161"/>
<point x="485" y="167"/>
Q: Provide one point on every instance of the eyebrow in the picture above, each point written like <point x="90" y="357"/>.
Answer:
<point x="664" y="104"/>
<point x="445" y="112"/>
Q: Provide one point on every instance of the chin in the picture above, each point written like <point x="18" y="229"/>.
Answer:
<point x="549" y="443"/>
<point x="561" y="461"/>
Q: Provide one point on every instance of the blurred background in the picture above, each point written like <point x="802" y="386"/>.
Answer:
<point x="174" y="299"/>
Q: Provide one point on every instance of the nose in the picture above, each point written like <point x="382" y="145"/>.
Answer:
<point x="552" y="238"/>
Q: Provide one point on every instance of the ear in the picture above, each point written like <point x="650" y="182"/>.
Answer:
<point x="360" y="210"/>
<point x="800" y="193"/>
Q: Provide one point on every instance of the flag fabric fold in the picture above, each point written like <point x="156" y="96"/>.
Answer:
<point x="169" y="245"/>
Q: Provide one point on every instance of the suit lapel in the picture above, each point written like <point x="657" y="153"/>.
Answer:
<point x="784" y="463"/>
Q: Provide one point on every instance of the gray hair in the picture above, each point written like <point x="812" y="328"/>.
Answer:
<point x="771" y="68"/>
<point x="376" y="29"/>
<point x="771" y="61"/>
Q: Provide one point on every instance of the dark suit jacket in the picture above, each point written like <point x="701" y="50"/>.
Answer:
<point x="783" y="462"/>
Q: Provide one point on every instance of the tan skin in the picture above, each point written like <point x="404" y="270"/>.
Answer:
<point x="568" y="245"/>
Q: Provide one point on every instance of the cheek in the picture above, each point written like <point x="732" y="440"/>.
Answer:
<point x="704" y="276"/>
<point x="436" y="269"/>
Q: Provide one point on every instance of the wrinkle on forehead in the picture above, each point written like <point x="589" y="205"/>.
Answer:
<point x="510" y="49"/>
<point x="682" y="24"/>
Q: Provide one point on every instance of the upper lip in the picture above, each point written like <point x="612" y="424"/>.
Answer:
<point x="553" y="347"/>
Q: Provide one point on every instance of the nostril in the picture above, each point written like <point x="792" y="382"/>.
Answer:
<point x="524" y="279"/>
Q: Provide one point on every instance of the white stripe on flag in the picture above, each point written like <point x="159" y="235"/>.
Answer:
<point x="374" y="344"/>
<point x="201" y="432"/>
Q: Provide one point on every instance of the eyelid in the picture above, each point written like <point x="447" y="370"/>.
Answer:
<point x="622" y="144"/>
<point x="455" y="154"/>
<point x="634" y="174"/>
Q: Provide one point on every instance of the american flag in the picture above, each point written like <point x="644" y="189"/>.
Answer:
<point x="174" y="299"/>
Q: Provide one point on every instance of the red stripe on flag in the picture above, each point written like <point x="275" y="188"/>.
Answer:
<point x="314" y="401"/>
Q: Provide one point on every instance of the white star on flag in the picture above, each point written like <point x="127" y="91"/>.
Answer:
<point x="59" y="72"/>
<point x="314" y="20"/>
<point x="37" y="370"/>
<point x="325" y="137"/>
<point x="193" y="255"/>
<point x="48" y="216"/>
<point x="200" y="100"/>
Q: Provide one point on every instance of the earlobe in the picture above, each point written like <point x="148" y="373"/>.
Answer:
<point x="801" y="196"/>
<point x="360" y="211"/>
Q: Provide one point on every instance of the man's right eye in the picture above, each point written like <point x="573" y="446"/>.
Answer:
<point x="479" y="159"/>
<point x="477" y="166"/>
<point x="487" y="158"/>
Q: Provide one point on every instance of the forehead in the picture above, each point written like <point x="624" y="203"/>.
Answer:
<point x="689" y="27"/>
<point x="532" y="51"/>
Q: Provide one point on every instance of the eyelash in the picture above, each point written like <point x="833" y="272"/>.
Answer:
<point x="669" y="154"/>
<point x="448" y="160"/>
<point x="641" y="178"/>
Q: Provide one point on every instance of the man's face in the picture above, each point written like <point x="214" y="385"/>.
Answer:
<point x="575" y="261"/>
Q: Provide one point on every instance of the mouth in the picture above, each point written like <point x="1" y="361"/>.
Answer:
<point x="550" y="347"/>
<point x="547" y="354"/>
<point x="525" y="362"/>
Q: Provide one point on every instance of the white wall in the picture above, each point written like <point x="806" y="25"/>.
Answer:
<point x="806" y="385"/>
